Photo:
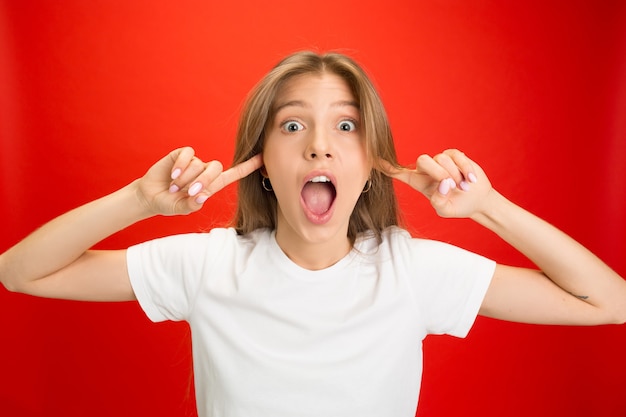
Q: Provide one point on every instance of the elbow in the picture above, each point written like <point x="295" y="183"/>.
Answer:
<point x="619" y="318"/>
<point x="17" y="287"/>
<point x="10" y="285"/>
<point x="617" y="321"/>
<point x="4" y="280"/>
<point x="615" y="316"/>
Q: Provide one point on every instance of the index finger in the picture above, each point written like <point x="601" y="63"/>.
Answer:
<point x="235" y="173"/>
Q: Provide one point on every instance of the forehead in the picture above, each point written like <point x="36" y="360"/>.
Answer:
<point x="307" y="89"/>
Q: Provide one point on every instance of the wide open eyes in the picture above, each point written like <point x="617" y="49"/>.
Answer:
<point x="292" y="126"/>
<point x="347" y="126"/>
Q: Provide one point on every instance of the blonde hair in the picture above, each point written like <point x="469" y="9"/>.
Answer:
<point x="375" y="209"/>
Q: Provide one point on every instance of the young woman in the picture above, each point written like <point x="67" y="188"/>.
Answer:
<point x="315" y="302"/>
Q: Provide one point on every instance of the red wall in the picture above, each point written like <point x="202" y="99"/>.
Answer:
<point x="92" y="92"/>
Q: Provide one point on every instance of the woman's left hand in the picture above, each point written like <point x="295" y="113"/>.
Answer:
<point x="454" y="184"/>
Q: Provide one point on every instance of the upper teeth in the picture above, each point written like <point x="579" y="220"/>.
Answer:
<point x="320" y="178"/>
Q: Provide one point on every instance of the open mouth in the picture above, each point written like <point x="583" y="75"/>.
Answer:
<point x="319" y="194"/>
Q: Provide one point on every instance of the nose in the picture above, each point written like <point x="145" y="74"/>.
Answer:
<point x="319" y="146"/>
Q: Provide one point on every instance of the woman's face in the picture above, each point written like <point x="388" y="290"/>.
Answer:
<point x="316" y="159"/>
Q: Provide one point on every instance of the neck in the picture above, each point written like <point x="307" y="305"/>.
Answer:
<point x="313" y="254"/>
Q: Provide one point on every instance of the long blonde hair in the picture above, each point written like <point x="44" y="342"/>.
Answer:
<point x="375" y="209"/>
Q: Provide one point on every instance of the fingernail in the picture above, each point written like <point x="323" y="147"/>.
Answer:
<point x="452" y="183"/>
<point x="444" y="187"/>
<point x="472" y="177"/>
<point x="201" y="199"/>
<point x="174" y="188"/>
<point x="464" y="186"/>
<point x="176" y="173"/>
<point x="195" y="189"/>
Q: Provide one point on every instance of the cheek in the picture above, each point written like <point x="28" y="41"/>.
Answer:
<point x="279" y="166"/>
<point x="271" y="156"/>
<point x="358" y="160"/>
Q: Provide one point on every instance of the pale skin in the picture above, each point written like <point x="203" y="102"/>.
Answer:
<point x="571" y="286"/>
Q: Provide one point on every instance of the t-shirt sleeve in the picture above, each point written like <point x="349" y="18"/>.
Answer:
<point x="450" y="284"/>
<point x="166" y="273"/>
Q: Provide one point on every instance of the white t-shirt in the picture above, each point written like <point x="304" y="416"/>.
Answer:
<point x="272" y="339"/>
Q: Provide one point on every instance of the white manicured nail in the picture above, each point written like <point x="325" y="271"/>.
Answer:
<point x="195" y="189"/>
<point x="444" y="186"/>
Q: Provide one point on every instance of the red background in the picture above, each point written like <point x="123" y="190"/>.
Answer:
<point x="92" y="92"/>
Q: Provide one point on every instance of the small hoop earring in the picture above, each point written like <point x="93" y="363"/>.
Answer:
<point x="368" y="186"/>
<point x="267" y="185"/>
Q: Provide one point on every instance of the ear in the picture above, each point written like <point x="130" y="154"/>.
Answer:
<point x="263" y="171"/>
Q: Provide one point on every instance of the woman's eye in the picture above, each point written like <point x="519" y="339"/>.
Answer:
<point x="347" y="126"/>
<point x="292" y="126"/>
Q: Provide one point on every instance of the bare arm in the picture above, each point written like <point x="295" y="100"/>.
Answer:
<point x="55" y="260"/>
<point x="572" y="286"/>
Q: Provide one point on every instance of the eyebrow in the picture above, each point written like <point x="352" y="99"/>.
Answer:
<point x="300" y="103"/>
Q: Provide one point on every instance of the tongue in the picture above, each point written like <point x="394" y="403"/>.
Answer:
<point x="318" y="196"/>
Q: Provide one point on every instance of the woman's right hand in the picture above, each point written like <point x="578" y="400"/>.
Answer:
<point x="181" y="182"/>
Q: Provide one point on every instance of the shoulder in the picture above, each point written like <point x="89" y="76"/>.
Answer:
<point x="395" y="238"/>
<point x="398" y="245"/>
<point x="368" y="242"/>
<point x="219" y="235"/>
<point x="199" y="245"/>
